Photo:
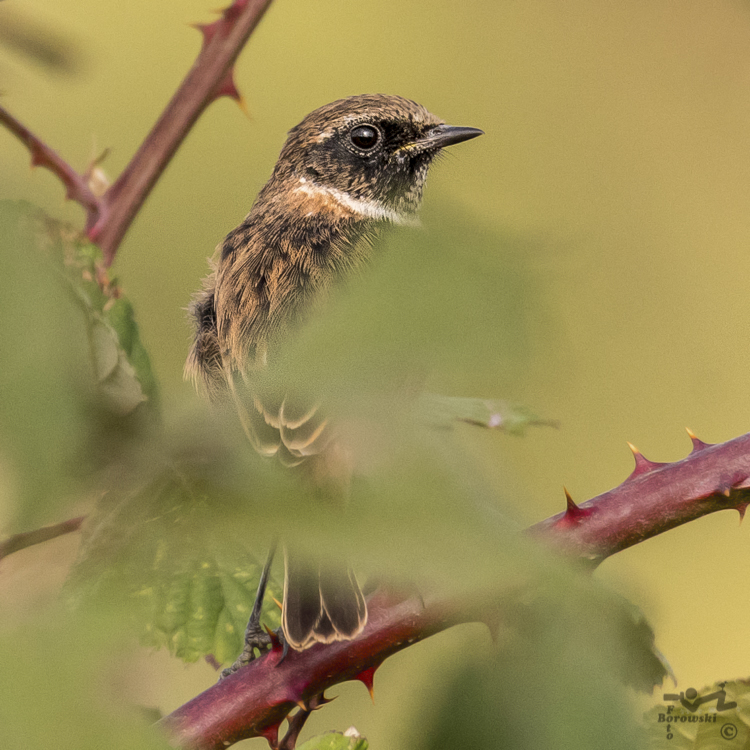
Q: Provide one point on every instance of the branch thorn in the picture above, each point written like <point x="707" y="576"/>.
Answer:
<point x="642" y="464"/>
<point x="698" y="444"/>
<point x="573" y="513"/>
<point x="366" y="677"/>
<point x="271" y="733"/>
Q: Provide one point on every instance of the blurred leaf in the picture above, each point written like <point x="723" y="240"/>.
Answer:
<point x="556" y="680"/>
<point x="46" y="374"/>
<point x="444" y="411"/>
<point x="67" y="383"/>
<point x="121" y="363"/>
<point x="171" y="542"/>
<point x="716" y="723"/>
<point x="450" y="301"/>
<point x="39" y="42"/>
<point x="335" y="741"/>
<point x="418" y="509"/>
<point x="61" y="687"/>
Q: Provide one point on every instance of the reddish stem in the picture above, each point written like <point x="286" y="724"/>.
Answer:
<point x="254" y="701"/>
<point x="209" y="78"/>
<point x="653" y="499"/>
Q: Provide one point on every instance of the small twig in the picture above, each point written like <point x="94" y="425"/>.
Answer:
<point x="29" y="538"/>
<point x="42" y="155"/>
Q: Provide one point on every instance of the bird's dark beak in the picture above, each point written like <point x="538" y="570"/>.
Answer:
<point x="446" y="135"/>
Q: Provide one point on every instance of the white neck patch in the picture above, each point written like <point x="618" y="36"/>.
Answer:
<point x="369" y="209"/>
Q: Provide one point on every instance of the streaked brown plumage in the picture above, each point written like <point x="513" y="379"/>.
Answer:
<point x="346" y="170"/>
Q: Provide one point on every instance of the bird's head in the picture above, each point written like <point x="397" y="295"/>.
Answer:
<point x="370" y="152"/>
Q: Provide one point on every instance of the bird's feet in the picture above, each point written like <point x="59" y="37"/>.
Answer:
<point x="256" y="639"/>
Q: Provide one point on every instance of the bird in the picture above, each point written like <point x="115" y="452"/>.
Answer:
<point x="349" y="169"/>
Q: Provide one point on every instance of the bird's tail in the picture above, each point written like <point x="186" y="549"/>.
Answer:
<point x="322" y="602"/>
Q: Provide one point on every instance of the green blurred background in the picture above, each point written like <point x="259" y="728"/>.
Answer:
<point x="617" y="143"/>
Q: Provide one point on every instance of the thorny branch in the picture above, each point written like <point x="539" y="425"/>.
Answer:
<point x="656" y="497"/>
<point x="108" y="217"/>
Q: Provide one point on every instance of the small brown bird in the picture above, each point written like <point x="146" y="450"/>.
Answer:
<point x="346" y="170"/>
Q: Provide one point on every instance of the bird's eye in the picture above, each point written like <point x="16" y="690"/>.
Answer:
<point x="365" y="137"/>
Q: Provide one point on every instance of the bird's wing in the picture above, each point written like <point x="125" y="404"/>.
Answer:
<point x="281" y="426"/>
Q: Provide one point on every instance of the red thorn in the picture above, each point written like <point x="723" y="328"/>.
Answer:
<point x="301" y="705"/>
<point x="227" y="87"/>
<point x="271" y="733"/>
<point x="741" y="508"/>
<point x="228" y="18"/>
<point x="727" y="491"/>
<point x="366" y="677"/>
<point x="698" y="444"/>
<point x="207" y="30"/>
<point x="573" y="514"/>
<point x="572" y="507"/>
<point x="38" y="159"/>
<point x="642" y="464"/>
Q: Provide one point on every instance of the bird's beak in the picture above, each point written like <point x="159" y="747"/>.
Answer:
<point x="446" y="135"/>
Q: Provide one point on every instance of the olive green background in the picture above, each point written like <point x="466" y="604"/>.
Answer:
<point x="617" y="140"/>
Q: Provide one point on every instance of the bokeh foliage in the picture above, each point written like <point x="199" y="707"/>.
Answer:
<point x="186" y="509"/>
<point x="59" y="688"/>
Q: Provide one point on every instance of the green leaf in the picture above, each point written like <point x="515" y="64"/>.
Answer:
<point x="117" y="379"/>
<point x="73" y="364"/>
<point x="159" y="544"/>
<point x="121" y="316"/>
<point x="336" y="741"/>
<point x="450" y="301"/>
<point x="445" y="411"/>
<point x="121" y="363"/>
<point x="46" y="375"/>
